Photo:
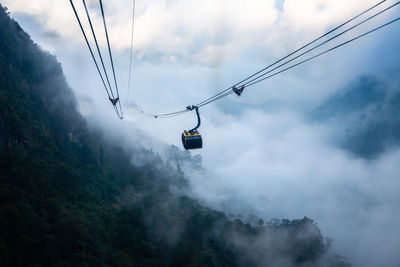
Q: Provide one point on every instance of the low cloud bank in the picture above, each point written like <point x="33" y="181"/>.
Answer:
<point x="337" y="165"/>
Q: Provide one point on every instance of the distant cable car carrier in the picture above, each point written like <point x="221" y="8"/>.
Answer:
<point x="192" y="139"/>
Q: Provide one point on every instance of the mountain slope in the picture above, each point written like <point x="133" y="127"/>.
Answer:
<point x="367" y="110"/>
<point x="70" y="196"/>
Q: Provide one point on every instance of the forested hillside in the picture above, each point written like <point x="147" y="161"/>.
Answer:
<point x="71" y="197"/>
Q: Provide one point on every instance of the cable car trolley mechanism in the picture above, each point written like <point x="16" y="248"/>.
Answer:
<point x="191" y="139"/>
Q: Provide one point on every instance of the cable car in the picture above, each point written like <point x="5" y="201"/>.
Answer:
<point x="191" y="139"/>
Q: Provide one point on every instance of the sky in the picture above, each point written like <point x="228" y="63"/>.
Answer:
<point x="321" y="140"/>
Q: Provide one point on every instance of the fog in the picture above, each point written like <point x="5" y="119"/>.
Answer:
<point x="281" y="150"/>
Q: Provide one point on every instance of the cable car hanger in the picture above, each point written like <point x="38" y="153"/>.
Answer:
<point x="198" y="117"/>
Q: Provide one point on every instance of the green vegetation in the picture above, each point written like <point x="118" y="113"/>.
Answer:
<point x="70" y="197"/>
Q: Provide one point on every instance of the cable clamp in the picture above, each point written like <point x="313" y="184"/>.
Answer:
<point x="239" y="90"/>
<point x="192" y="107"/>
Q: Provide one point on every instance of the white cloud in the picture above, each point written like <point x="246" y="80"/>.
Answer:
<point x="197" y="30"/>
<point x="186" y="28"/>
<point x="278" y="165"/>
<point x="318" y="14"/>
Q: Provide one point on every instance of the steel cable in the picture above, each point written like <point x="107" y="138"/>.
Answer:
<point x="98" y="49"/>
<point x="88" y="44"/>
<point x="110" y="54"/>
<point x="294" y="52"/>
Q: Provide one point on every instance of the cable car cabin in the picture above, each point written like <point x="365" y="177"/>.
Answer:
<point x="192" y="140"/>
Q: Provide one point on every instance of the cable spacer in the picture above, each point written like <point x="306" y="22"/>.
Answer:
<point x="239" y="90"/>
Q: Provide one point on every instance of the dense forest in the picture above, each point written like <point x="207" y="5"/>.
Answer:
<point x="71" y="197"/>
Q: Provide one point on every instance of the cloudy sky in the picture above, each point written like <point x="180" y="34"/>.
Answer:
<point x="320" y="140"/>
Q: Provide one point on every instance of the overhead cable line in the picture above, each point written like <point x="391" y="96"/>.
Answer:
<point x="90" y="49"/>
<point x="109" y="94"/>
<point x="322" y="36"/>
<point x="327" y="51"/>
<point x="111" y="58"/>
<point x="131" y="54"/>
<point x="172" y="114"/>
<point x="321" y="44"/>
<point x="216" y="98"/>
<point x="98" y="49"/>
<point x="229" y="90"/>
<point x="306" y="60"/>
<point x="298" y="50"/>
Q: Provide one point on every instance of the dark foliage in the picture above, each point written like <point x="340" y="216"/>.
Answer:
<point x="69" y="197"/>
